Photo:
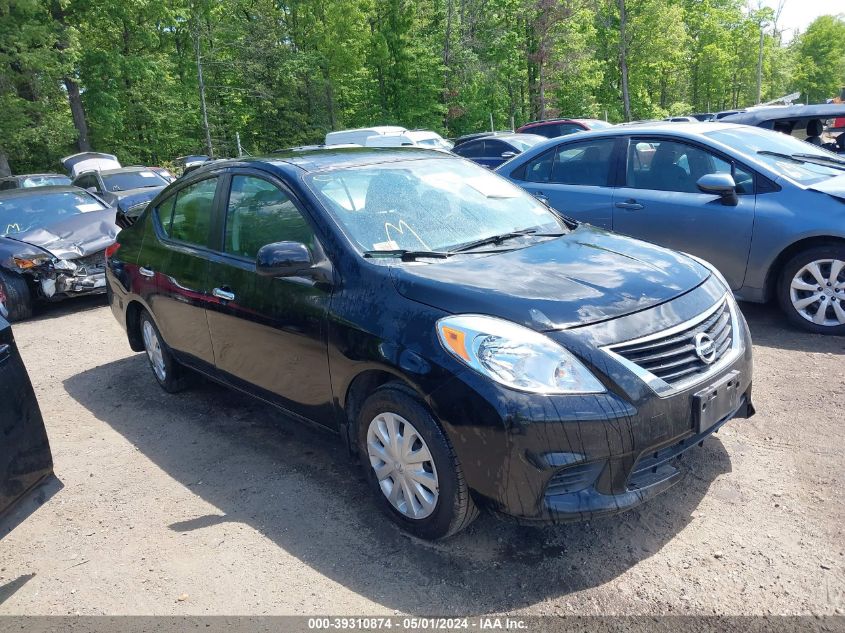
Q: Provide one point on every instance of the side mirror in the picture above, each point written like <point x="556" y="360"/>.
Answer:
<point x="508" y="154"/>
<point x="283" y="259"/>
<point x="722" y="185"/>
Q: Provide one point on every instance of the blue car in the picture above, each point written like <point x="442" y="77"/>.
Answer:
<point x="766" y="209"/>
<point x="493" y="150"/>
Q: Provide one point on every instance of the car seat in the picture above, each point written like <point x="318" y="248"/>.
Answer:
<point x="814" y="132"/>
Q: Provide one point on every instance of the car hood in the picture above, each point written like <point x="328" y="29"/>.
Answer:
<point x="832" y="186"/>
<point x="73" y="237"/>
<point x="586" y="276"/>
<point x="130" y="197"/>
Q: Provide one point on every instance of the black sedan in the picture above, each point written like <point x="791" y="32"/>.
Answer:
<point x="25" y="458"/>
<point x="128" y="189"/>
<point x="491" y="151"/>
<point x="473" y="347"/>
<point x="52" y="245"/>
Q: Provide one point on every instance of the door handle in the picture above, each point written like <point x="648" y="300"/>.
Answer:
<point x="222" y="293"/>
<point x="631" y="204"/>
<point x="146" y="272"/>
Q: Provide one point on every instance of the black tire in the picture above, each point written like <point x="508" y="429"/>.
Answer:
<point x="454" y="509"/>
<point x="18" y="297"/>
<point x="175" y="377"/>
<point x="791" y="269"/>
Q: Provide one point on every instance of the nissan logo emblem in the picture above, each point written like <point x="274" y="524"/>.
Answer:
<point x="705" y="347"/>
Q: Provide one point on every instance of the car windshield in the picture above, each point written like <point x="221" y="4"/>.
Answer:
<point x="44" y="181"/>
<point x="427" y="205"/>
<point x="132" y="180"/>
<point x="21" y="213"/>
<point x="435" y="143"/>
<point x="598" y="124"/>
<point x="784" y="154"/>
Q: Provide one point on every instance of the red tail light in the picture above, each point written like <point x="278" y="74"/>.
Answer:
<point x="111" y="250"/>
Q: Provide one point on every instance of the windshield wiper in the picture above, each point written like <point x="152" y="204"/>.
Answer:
<point x="498" y="239"/>
<point x="826" y="159"/>
<point x="813" y="159"/>
<point x="406" y="255"/>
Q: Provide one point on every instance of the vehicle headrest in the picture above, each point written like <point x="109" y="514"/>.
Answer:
<point x="814" y="127"/>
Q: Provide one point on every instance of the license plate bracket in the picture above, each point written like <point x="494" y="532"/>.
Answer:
<point x="711" y="404"/>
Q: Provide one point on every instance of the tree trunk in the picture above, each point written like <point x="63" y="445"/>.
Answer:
<point x="760" y="68"/>
<point x="5" y="170"/>
<point x="623" y="59"/>
<point x="78" y="114"/>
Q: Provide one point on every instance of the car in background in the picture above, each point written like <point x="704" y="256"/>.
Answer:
<point x="410" y="138"/>
<point x="702" y="116"/>
<point x="359" y="136"/>
<point x="128" y="189"/>
<point x="189" y="162"/>
<point x="52" y="245"/>
<point x="766" y="209"/>
<point x="87" y="161"/>
<point x="492" y="151"/>
<point x="26" y="181"/>
<point x="552" y="128"/>
<point x="473" y="347"/>
<point x="25" y="457"/>
<point x="681" y="119"/>
<point x="816" y="124"/>
<point x="165" y="173"/>
<point x="471" y="137"/>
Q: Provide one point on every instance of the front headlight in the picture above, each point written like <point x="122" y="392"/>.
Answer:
<point x="25" y="263"/>
<point x="514" y="356"/>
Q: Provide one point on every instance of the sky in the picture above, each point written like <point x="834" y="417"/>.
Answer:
<point x="797" y="14"/>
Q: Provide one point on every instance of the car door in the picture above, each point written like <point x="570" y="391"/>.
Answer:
<point x="496" y="152"/>
<point x="576" y="178"/>
<point x="25" y="457"/>
<point x="269" y="333"/>
<point x="474" y="150"/>
<point x="660" y="202"/>
<point x="175" y="261"/>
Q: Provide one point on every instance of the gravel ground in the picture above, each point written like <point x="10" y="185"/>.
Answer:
<point x="208" y="502"/>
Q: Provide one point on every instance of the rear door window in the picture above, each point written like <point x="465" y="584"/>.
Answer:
<point x="583" y="163"/>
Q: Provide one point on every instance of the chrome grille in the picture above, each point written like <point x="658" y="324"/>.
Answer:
<point x="668" y="361"/>
<point x="91" y="264"/>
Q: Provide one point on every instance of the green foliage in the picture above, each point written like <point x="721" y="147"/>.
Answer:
<point x="820" y="58"/>
<point x="284" y="72"/>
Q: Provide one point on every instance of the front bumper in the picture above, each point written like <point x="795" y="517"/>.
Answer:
<point x="570" y="458"/>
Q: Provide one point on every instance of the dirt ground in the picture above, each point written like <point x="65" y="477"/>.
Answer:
<point x="208" y="502"/>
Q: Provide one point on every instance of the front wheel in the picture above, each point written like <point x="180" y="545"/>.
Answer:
<point x="169" y="374"/>
<point x="411" y="466"/>
<point x="18" y="297"/>
<point x="811" y="289"/>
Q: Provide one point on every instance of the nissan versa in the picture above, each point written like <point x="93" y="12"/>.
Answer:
<point x="474" y="348"/>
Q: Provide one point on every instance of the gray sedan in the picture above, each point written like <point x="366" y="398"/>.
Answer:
<point x="767" y="209"/>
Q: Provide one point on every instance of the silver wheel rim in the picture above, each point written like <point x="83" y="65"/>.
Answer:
<point x="154" y="353"/>
<point x="403" y="465"/>
<point x="817" y="292"/>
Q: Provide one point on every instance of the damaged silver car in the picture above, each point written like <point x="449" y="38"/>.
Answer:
<point x="52" y="245"/>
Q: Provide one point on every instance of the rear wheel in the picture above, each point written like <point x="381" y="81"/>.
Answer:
<point x="410" y="465"/>
<point x="171" y="376"/>
<point x="811" y="289"/>
<point x="18" y="297"/>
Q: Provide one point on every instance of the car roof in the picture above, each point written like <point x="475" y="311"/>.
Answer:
<point x="40" y="191"/>
<point x="311" y="160"/>
<point x="121" y="170"/>
<point x="774" y="113"/>
<point x="51" y="174"/>
<point x="692" y="128"/>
